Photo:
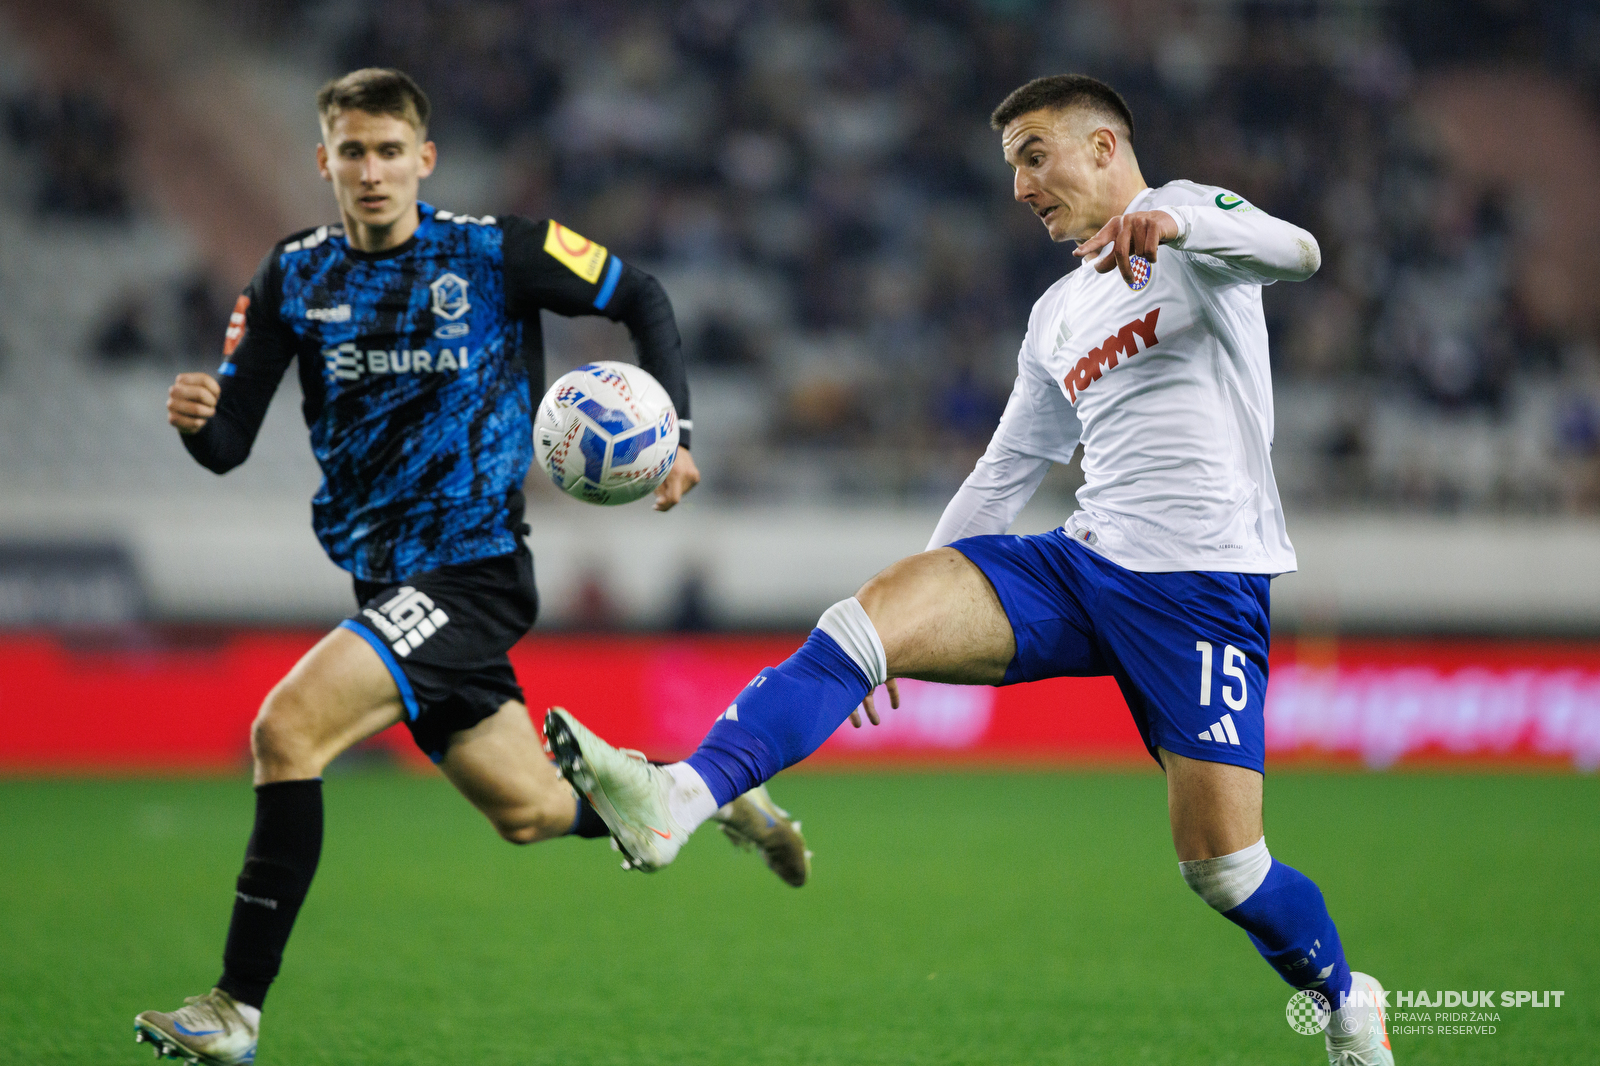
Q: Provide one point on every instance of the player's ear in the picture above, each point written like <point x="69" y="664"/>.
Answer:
<point x="1104" y="144"/>
<point x="430" y="156"/>
<point x="322" y="162"/>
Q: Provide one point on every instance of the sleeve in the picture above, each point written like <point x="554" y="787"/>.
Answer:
<point x="549" y="267"/>
<point x="256" y="350"/>
<point x="1038" y="428"/>
<point x="1242" y="243"/>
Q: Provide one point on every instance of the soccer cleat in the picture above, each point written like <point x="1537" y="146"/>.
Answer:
<point x="207" y="1030"/>
<point x="754" y="821"/>
<point x="630" y="794"/>
<point x="1367" y="1044"/>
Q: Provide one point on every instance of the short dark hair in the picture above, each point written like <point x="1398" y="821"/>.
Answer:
<point x="1059" y="92"/>
<point x="377" y="91"/>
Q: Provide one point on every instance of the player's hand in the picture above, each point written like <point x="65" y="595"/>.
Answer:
<point x="683" y="476"/>
<point x="1139" y="233"/>
<point x="192" y="401"/>
<point x="872" y="712"/>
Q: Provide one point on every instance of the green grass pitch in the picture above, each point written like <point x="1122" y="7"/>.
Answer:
<point x="952" y="918"/>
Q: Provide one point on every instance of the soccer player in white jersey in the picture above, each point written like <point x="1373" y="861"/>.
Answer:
<point x="1153" y="355"/>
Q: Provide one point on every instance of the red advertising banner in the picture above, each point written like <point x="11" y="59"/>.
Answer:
<point x="68" y="707"/>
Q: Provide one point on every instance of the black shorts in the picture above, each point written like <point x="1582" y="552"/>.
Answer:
<point x="444" y="635"/>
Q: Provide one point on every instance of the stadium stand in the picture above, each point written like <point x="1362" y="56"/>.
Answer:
<point x="816" y="185"/>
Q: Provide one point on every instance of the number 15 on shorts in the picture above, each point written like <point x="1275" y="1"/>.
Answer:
<point x="1232" y="668"/>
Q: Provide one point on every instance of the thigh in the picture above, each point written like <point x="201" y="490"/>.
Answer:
<point x="1043" y="588"/>
<point x="1189" y="651"/>
<point x="939" y="620"/>
<point x="338" y="694"/>
<point x="1215" y="808"/>
<point x="444" y="635"/>
<point x="500" y="766"/>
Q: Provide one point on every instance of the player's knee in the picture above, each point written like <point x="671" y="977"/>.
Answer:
<point x="530" y="827"/>
<point x="899" y="601"/>
<point x="885" y="594"/>
<point x="278" y="734"/>
<point x="913" y="578"/>
<point x="880" y="592"/>
<point x="533" y="822"/>
<point x="518" y="831"/>
<point x="1226" y="881"/>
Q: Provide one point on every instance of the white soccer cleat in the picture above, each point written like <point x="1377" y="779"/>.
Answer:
<point x="208" y="1030"/>
<point x="754" y="821"/>
<point x="1367" y="1041"/>
<point x="631" y="795"/>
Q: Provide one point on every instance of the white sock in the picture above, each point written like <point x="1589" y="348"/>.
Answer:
<point x="847" y="623"/>
<point x="249" y="1013"/>
<point x="691" y="801"/>
<point x="1228" y="880"/>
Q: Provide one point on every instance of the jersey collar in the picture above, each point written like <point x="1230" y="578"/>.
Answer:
<point x="424" y="220"/>
<point x="1133" y="204"/>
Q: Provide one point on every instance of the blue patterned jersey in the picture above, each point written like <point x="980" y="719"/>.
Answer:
<point x="419" y="366"/>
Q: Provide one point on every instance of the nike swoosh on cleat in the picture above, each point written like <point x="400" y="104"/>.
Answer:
<point x="180" y="1027"/>
<point x="659" y="833"/>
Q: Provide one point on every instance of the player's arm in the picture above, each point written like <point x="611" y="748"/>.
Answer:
<point x="218" y="417"/>
<point x="1038" y="428"/>
<point x="1250" y="245"/>
<point x="550" y="267"/>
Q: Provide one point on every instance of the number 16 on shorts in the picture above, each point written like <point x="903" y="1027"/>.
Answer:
<point x="1235" y="689"/>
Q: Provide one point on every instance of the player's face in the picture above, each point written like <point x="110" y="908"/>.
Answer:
<point x="375" y="163"/>
<point x="1061" y="161"/>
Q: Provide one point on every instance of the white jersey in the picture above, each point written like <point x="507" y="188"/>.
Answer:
<point x="1169" y="389"/>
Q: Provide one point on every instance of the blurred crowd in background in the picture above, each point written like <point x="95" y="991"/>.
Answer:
<point x="817" y="184"/>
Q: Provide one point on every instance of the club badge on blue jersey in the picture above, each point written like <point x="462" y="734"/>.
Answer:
<point x="1141" y="272"/>
<point x="450" y="297"/>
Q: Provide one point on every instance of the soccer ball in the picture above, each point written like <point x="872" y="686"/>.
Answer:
<point x="606" y="433"/>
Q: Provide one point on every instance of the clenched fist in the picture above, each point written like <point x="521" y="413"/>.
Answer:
<point x="192" y="401"/>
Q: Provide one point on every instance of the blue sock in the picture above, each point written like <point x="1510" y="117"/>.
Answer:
<point x="1288" y="923"/>
<point x="781" y="717"/>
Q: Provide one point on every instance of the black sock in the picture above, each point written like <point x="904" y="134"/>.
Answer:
<point x="279" y="863"/>
<point x="588" y="823"/>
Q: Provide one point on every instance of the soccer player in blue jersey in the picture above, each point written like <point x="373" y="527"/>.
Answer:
<point x="416" y="338"/>
<point x="1154" y="357"/>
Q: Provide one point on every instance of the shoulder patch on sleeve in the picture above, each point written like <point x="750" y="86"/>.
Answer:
<point x="313" y="238"/>
<point x="236" y="326"/>
<point x="575" y="252"/>
<point x="1229" y="202"/>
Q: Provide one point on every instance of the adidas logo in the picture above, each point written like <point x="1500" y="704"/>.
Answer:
<point x="1222" y="732"/>
<point x="1063" y="336"/>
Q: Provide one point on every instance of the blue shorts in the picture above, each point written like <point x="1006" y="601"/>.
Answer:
<point x="1188" y="649"/>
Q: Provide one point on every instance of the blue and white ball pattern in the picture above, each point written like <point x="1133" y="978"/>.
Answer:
<point x="606" y="433"/>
